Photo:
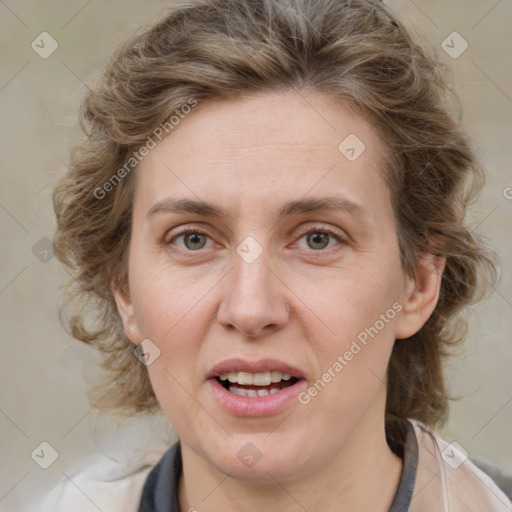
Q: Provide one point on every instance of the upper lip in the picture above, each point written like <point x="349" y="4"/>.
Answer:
<point x="259" y="366"/>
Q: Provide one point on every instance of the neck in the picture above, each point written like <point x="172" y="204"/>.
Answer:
<point x="363" y="475"/>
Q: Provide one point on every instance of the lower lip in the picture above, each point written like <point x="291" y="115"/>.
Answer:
<point x="257" y="406"/>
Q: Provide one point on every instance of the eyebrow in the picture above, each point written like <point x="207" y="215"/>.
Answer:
<point x="293" y="207"/>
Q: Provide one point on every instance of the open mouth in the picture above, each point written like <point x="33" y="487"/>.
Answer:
<point x="253" y="385"/>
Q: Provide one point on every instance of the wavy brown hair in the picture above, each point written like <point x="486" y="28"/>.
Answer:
<point x="355" y="52"/>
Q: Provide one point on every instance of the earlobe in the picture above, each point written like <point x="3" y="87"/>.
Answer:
<point x="421" y="296"/>
<point x="126" y="312"/>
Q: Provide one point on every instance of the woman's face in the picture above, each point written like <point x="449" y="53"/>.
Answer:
<point x="293" y="275"/>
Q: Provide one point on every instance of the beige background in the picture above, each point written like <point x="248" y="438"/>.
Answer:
<point x="42" y="393"/>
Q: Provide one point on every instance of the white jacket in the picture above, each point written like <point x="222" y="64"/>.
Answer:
<point x="446" y="481"/>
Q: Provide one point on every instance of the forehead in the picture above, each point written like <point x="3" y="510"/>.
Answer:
<point x="268" y="148"/>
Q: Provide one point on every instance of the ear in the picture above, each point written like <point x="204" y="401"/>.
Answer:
<point x="421" y="296"/>
<point x="126" y="312"/>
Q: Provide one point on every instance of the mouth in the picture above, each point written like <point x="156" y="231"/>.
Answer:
<point x="253" y="385"/>
<point x="255" y="388"/>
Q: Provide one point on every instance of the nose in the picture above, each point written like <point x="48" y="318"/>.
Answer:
<point x="254" y="299"/>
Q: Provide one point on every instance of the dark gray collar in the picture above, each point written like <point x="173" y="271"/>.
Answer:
<point x="160" y="492"/>
<point x="409" y="455"/>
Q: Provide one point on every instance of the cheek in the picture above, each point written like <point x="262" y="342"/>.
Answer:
<point x="348" y="301"/>
<point x="358" y="311"/>
<point x="168" y="303"/>
<point x="169" y="311"/>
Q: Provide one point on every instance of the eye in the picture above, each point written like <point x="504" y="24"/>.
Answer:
<point x="318" y="239"/>
<point x="193" y="240"/>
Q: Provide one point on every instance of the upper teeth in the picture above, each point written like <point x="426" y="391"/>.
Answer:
<point x="254" y="379"/>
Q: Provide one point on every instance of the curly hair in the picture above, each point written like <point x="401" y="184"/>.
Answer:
<point x="355" y="52"/>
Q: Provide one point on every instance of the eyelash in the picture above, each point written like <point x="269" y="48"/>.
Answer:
<point x="309" y="230"/>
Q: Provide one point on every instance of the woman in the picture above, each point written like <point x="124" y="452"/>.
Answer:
<point x="266" y="214"/>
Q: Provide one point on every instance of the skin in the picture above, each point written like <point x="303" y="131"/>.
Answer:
<point x="297" y="302"/>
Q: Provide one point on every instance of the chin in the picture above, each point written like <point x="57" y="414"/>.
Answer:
<point x="259" y="459"/>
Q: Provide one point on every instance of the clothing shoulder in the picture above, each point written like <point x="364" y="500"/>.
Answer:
<point x="111" y="477"/>
<point x="98" y="486"/>
<point x="447" y="481"/>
